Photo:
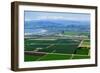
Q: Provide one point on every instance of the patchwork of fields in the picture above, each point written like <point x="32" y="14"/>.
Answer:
<point x="56" y="35"/>
<point x="56" y="49"/>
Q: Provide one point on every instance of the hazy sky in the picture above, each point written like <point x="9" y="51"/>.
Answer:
<point x="36" y="15"/>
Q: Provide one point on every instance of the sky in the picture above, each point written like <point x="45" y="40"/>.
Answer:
<point x="40" y="15"/>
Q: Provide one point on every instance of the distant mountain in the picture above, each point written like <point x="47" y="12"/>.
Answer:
<point x="61" y="23"/>
<point x="50" y="26"/>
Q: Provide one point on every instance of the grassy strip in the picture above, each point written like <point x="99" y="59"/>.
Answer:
<point x="80" y="57"/>
<point x="28" y="58"/>
<point x="55" y="57"/>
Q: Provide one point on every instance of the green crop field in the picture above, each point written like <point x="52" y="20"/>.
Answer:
<point x="54" y="56"/>
<point x="78" y="33"/>
<point x="56" y="49"/>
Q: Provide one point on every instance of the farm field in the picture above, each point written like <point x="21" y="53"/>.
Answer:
<point x="56" y="49"/>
